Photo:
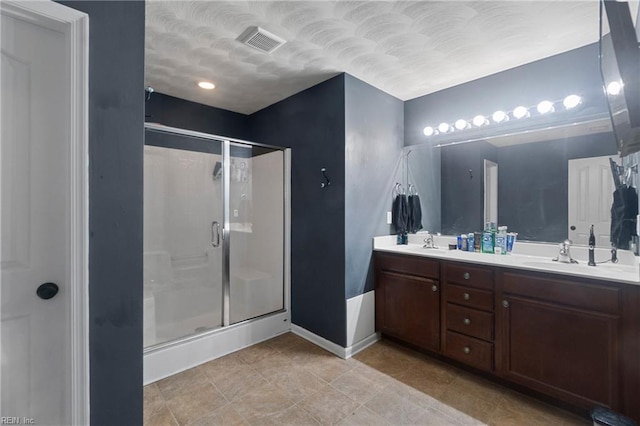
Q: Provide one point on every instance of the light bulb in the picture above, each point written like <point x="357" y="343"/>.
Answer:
<point x="499" y="116"/>
<point x="520" y="112"/>
<point x="479" y="120"/>
<point x="206" y="85"/>
<point x="572" y="101"/>
<point x="428" y="131"/>
<point x="443" y="127"/>
<point x="614" y="88"/>
<point x="545" y="107"/>
<point x="461" y="124"/>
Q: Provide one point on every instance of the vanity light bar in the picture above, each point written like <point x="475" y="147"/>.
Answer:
<point x="518" y="113"/>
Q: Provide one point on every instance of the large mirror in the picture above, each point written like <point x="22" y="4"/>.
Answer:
<point x="546" y="177"/>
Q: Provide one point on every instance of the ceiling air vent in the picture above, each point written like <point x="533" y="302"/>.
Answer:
<point x="261" y="39"/>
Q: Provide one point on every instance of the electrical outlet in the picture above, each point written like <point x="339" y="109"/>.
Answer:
<point x="235" y="213"/>
<point x="388" y="218"/>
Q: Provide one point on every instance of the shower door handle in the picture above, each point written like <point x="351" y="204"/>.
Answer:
<point x="215" y="234"/>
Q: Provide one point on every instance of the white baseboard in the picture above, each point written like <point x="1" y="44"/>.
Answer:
<point x="361" y="317"/>
<point x="172" y="359"/>
<point x="334" y="348"/>
<point x="361" y="345"/>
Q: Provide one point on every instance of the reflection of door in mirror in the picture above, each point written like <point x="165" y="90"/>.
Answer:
<point x="490" y="192"/>
<point x="590" y="198"/>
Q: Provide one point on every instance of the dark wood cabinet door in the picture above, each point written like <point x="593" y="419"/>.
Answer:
<point x="565" y="352"/>
<point x="411" y="309"/>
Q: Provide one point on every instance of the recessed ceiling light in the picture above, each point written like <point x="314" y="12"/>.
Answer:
<point x="206" y="85"/>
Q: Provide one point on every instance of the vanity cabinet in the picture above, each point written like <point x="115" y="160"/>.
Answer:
<point x="408" y="300"/>
<point x="562" y="337"/>
<point x="468" y="317"/>
<point x="575" y="340"/>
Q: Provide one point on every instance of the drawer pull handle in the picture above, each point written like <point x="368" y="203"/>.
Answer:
<point x="505" y="303"/>
<point x="467" y="321"/>
<point x="466" y="276"/>
<point x="434" y="288"/>
<point x="466" y="296"/>
<point x="467" y="350"/>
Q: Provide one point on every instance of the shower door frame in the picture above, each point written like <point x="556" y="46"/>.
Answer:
<point x="226" y="235"/>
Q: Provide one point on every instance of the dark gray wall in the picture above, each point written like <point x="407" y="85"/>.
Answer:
<point x="183" y="114"/>
<point x="463" y="186"/>
<point x="116" y="117"/>
<point x="312" y="123"/>
<point x="533" y="179"/>
<point x="374" y="139"/>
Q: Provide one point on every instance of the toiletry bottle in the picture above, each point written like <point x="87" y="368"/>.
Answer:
<point x="470" y="242"/>
<point x="592" y="247"/>
<point x="488" y="241"/>
<point x="501" y="241"/>
<point x="465" y="243"/>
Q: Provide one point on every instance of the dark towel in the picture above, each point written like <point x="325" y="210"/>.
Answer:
<point x="623" y="216"/>
<point x="414" y="223"/>
<point x="400" y="214"/>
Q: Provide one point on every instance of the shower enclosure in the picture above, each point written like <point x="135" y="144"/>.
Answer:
<point x="214" y="234"/>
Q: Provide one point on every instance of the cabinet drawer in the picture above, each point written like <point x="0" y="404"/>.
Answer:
<point x="470" y="322"/>
<point x="468" y="296"/>
<point x="569" y="292"/>
<point x="411" y="265"/>
<point x="471" y="276"/>
<point x="469" y="350"/>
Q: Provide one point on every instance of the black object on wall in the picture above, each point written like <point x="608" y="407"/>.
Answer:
<point x="116" y="117"/>
<point x="183" y="114"/>
<point x="462" y="197"/>
<point x="374" y="140"/>
<point x="312" y="123"/>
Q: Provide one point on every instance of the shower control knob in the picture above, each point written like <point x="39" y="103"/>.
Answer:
<point x="47" y="290"/>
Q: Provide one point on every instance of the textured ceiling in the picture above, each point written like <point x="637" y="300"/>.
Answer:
<point x="405" y="48"/>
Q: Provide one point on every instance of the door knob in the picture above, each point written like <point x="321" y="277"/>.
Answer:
<point x="47" y="290"/>
<point x="573" y="228"/>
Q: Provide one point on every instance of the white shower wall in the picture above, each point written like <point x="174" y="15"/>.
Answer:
<point x="183" y="274"/>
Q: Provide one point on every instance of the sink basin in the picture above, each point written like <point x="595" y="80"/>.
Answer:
<point x="581" y="265"/>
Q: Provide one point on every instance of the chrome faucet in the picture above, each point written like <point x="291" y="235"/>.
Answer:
<point x="564" y="255"/>
<point x="428" y="241"/>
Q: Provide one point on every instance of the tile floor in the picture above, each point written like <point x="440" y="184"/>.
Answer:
<point x="289" y="381"/>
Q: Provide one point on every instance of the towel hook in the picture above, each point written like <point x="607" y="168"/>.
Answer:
<point x="326" y="182"/>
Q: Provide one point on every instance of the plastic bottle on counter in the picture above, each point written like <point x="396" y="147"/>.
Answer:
<point x="501" y="240"/>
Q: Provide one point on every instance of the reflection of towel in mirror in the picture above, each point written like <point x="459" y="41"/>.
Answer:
<point x="414" y="223"/>
<point x="623" y="216"/>
<point x="400" y="214"/>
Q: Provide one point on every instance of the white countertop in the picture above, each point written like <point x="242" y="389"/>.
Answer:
<point x="528" y="256"/>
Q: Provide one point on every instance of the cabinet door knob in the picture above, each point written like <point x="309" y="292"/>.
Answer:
<point x="505" y="303"/>
<point x="466" y="296"/>
<point x="467" y="321"/>
<point x="466" y="275"/>
<point x="467" y="350"/>
<point x="434" y="288"/>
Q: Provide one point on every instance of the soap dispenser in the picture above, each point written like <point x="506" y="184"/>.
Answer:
<point x="592" y="247"/>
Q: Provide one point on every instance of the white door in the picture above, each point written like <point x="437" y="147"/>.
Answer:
<point x="590" y="196"/>
<point x="36" y="219"/>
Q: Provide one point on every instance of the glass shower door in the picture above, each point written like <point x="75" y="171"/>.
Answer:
<point x="256" y="230"/>
<point x="183" y="219"/>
